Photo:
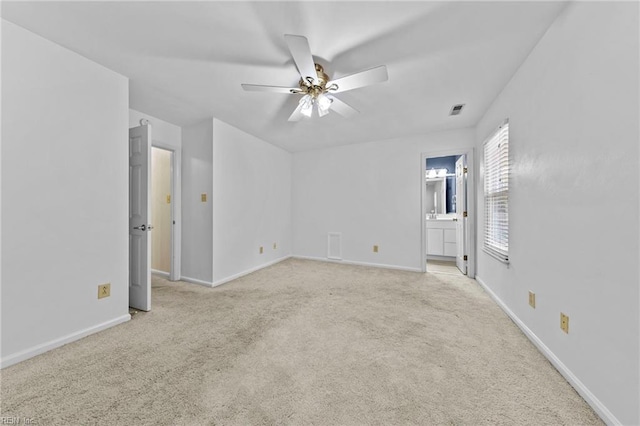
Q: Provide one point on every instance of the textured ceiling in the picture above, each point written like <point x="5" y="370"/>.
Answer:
<point x="186" y="60"/>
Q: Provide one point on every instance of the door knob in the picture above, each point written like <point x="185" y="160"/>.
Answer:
<point x="142" y="227"/>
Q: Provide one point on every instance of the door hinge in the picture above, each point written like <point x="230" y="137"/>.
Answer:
<point x="464" y="214"/>
<point x="464" y="257"/>
<point x="464" y="170"/>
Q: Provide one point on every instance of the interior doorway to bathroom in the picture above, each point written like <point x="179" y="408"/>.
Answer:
<point x="447" y="212"/>
<point x="161" y="199"/>
<point x="165" y="205"/>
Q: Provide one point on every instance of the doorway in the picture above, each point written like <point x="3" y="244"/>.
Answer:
<point x="447" y="212"/>
<point x="161" y="198"/>
<point x="166" y="209"/>
<point x="142" y="152"/>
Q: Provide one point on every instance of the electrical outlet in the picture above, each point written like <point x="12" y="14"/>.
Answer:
<point x="564" y="322"/>
<point x="532" y="299"/>
<point x="275" y="246"/>
<point x="261" y="249"/>
<point x="104" y="290"/>
<point x="203" y="198"/>
<point x="375" y="249"/>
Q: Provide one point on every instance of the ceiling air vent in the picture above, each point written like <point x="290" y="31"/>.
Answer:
<point x="457" y="109"/>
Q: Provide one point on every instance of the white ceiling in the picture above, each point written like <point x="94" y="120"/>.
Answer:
<point x="186" y="60"/>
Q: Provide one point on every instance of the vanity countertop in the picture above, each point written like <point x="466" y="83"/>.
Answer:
<point x="443" y="218"/>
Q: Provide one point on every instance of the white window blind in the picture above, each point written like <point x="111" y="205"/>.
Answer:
<point x="496" y="194"/>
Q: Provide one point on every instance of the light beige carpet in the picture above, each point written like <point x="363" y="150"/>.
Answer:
<point x="302" y="343"/>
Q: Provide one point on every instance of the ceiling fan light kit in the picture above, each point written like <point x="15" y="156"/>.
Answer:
<point x="315" y="93"/>
<point x="314" y="85"/>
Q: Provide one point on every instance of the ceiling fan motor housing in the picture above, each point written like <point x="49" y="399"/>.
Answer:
<point x="314" y="90"/>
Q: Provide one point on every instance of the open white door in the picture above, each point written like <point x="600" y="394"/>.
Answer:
<point x="461" y="215"/>
<point x="139" y="218"/>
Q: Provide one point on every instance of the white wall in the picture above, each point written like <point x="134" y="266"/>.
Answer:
<point x="1" y="117"/>
<point x="251" y="202"/>
<point x="371" y="193"/>
<point x="573" y="111"/>
<point x="64" y="190"/>
<point x="197" y="222"/>
<point x="161" y="131"/>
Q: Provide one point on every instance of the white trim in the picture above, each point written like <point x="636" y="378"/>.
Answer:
<point x="249" y="271"/>
<point x="176" y="206"/>
<point x="584" y="392"/>
<point x="196" y="281"/>
<point x="470" y="204"/>
<point x="352" y="262"/>
<point x="161" y="273"/>
<point x="56" y="343"/>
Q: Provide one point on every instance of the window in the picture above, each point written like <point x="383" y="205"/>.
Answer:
<point x="496" y="194"/>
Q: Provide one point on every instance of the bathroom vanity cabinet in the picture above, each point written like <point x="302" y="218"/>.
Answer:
<point x="441" y="237"/>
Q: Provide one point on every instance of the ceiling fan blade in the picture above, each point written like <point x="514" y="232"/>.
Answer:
<point x="342" y="108"/>
<point x="297" y="113"/>
<point x="360" y="79"/>
<point x="301" y="53"/>
<point x="273" y="89"/>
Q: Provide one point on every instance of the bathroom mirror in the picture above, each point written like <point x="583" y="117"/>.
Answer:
<point x="441" y="184"/>
<point x="436" y="195"/>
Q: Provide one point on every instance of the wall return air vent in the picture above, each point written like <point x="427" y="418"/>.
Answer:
<point x="457" y="109"/>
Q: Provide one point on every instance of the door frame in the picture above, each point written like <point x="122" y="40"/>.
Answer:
<point x="471" y="205"/>
<point x="176" y="206"/>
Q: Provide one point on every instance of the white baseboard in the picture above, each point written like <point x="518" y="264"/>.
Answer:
<point x="196" y="281"/>
<point x="44" y="347"/>
<point x="597" y="405"/>
<point x="351" y="262"/>
<point x="249" y="271"/>
<point x="161" y="273"/>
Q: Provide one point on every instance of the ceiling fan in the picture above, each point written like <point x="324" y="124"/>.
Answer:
<point x="314" y="85"/>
